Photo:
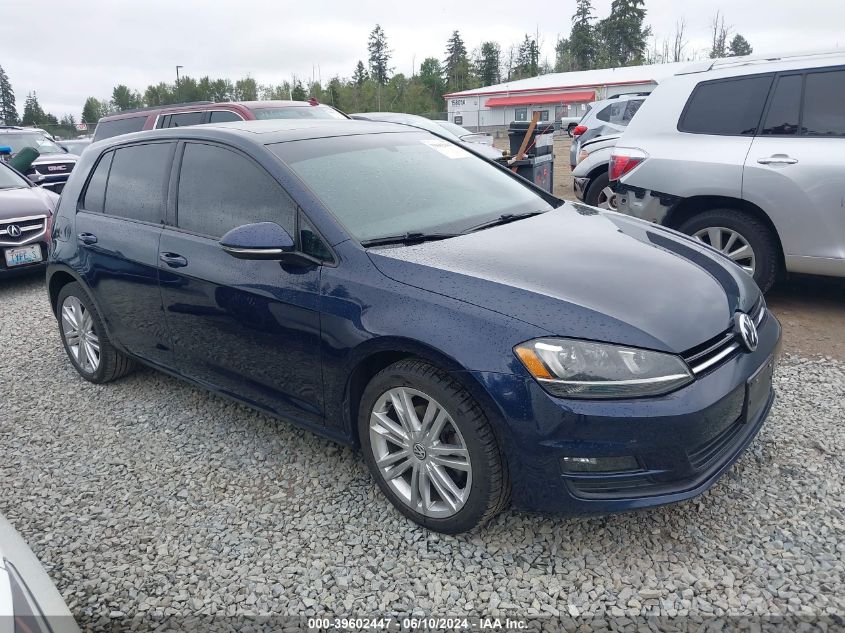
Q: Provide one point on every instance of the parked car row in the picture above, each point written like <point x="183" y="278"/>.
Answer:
<point x="747" y="155"/>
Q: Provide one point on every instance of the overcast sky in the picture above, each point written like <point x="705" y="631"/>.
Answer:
<point x="67" y="52"/>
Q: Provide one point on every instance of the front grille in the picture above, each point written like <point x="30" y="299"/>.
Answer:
<point x="711" y="450"/>
<point x="718" y="350"/>
<point x="27" y="228"/>
<point x="54" y="169"/>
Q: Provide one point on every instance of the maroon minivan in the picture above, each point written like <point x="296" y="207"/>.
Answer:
<point x="199" y="112"/>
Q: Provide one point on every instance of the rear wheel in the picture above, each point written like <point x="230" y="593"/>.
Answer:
<point x="85" y="340"/>
<point x="570" y="128"/>
<point x="742" y="238"/>
<point x="600" y="194"/>
<point x="430" y="448"/>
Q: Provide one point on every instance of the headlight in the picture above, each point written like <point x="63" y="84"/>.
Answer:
<point x="582" y="369"/>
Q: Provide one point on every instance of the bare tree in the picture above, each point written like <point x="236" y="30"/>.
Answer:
<point x="720" y="32"/>
<point x="679" y="43"/>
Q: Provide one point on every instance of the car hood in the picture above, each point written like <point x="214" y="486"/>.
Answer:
<point x="581" y="272"/>
<point x="26" y="201"/>
<point x="53" y="158"/>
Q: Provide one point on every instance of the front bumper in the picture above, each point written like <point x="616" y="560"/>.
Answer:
<point x="682" y="442"/>
<point x="580" y="186"/>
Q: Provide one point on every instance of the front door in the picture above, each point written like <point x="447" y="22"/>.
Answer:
<point x="794" y="167"/>
<point x="248" y="328"/>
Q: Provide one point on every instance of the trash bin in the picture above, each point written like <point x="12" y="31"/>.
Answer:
<point x="537" y="169"/>
<point x="517" y="131"/>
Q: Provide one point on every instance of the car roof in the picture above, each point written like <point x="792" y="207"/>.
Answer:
<point x="174" y="108"/>
<point x="750" y="64"/>
<point x="267" y="131"/>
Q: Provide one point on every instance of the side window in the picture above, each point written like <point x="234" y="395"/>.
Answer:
<point x="824" y="96"/>
<point x="221" y="116"/>
<point x="182" y="119"/>
<point x="107" y="129"/>
<point x="631" y="109"/>
<point x="137" y="185"/>
<point x="220" y="189"/>
<point x="520" y="114"/>
<point x="310" y="241"/>
<point x="728" y="107"/>
<point x="784" y="108"/>
<point x="95" y="192"/>
<point x="605" y="113"/>
<point x="544" y="115"/>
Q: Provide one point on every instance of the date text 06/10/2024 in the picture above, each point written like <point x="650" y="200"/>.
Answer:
<point x="413" y="624"/>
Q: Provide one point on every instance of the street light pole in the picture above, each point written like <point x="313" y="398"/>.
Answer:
<point x="177" y="82"/>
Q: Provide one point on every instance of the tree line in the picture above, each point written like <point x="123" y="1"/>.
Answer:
<point x="621" y="38"/>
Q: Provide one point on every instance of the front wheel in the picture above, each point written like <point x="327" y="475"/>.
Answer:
<point x="430" y="448"/>
<point x="742" y="238"/>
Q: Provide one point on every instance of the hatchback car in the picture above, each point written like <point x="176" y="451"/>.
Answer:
<point x="478" y="338"/>
<point x="747" y="155"/>
<point x="26" y="215"/>
<point x="202" y="112"/>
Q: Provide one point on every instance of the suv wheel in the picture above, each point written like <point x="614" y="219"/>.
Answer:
<point x="742" y="238"/>
<point x="85" y="339"/>
<point x="430" y="448"/>
<point x="600" y="194"/>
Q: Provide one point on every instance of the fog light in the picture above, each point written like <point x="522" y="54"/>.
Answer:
<point x="598" y="464"/>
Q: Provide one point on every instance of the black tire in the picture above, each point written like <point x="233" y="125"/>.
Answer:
<point x="569" y="128"/>
<point x="752" y="230"/>
<point x="591" y="196"/>
<point x="490" y="488"/>
<point x="113" y="364"/>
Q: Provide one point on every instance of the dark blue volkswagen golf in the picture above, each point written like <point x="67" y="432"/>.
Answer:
<point x="482" y="341"/>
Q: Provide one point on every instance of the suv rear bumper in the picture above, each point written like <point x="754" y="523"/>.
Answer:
<point x="652" y="206"/>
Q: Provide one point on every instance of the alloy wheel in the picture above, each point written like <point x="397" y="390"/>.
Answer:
<point x="731" y="243"/>
<point x="420" y="452"/>
<point x="82" y="341"/>
<point x="607" y="199"/>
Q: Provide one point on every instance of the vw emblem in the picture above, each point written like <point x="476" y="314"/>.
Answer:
<point x="747" y="331"/>
<point x="419" y="451"/>
<point x="13" y="230"/>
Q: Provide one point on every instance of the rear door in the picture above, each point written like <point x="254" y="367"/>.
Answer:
<point x="794" y="171"/>
<point x="245" y="327"/>
<point x="118" y="226"/>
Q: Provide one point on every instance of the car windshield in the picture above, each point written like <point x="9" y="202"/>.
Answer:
<point x="20" y="140"/>
<point x="298" y="112"/>
<point x="9" y="179"/>
<point x="388" y="184"/>
<point x="455" y="129"/>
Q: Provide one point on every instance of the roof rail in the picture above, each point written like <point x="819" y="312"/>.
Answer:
<point x="733" y="62"/>
<point x="630" y="94"/>
<point x="160" y="107"/>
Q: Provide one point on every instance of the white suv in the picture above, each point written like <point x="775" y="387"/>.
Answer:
<point x="747" y="155"/>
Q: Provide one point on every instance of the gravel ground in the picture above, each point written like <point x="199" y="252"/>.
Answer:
<point x="148" y="498"/>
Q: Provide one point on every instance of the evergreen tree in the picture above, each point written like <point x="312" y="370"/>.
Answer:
<point x="581" y="48"/>
<point x="527" y="59"/>
<point x="8" y="109"/>
<point x="739" y="46"/>
<point x="246" y="89"/>
<point x="624" y="37"/>
<point x="360" y="74"/>
<point x="92" y="111"/>
<point x="456" y="65"/>
<point x="125" y="99"/>
<point x="379" y="56"/>
<point x="298" y="92"/>
<point x="32" y="112"/>
<point x="431" y="77"/>
<point x="488" y="65"/>
<point x="563" y="56"/>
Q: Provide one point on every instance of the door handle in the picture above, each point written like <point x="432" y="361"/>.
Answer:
<point x="87" y="238"/>
<point x="777" y="159"/>
<point x="173" y="260"/>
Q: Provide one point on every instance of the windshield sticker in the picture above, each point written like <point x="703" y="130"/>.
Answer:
<point x="446" y="148"/>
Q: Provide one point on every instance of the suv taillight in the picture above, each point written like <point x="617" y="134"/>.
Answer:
<point x="579" y="130"/>
<point x="622" y="161"/>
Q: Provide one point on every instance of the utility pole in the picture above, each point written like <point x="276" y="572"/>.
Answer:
<point x="178" y="90"/>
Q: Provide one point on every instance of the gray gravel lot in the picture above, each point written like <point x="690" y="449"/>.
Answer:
<point x="148" y="498"/>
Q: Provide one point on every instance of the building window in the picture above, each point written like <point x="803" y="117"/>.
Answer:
<point x="544" y="115"/>
<point x="458" y="119"/>
<point x="520" y="114"/>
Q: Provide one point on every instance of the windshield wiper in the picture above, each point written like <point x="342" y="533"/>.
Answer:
<point x="505" y="218"/>
<point x="414" y="237"/>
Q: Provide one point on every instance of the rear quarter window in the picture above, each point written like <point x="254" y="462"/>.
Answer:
<point x="728" y="107"/>
<point x="824" y="104"/>
<point x="107" y="129"/>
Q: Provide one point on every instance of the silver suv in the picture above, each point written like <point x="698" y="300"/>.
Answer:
<point x="608" y="116"/>
<point x="747" y="155"/>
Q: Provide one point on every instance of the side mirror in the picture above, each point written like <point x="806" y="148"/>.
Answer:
<point x="262" y="240"/>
